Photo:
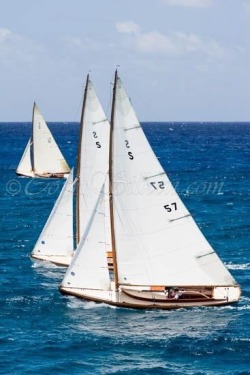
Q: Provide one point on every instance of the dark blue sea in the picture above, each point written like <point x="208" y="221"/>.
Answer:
<point x="43" y="332"/>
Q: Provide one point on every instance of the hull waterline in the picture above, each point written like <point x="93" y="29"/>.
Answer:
<point x="58" y="260"/>
<point x="134" y="299"/>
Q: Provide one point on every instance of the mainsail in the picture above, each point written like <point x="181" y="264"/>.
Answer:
<point x="157" y="240"/>
<point x="42" y="156"/>
<point x="93" y="149"/>
<point x="56" y="241"/>
<point x="47" y="157"/>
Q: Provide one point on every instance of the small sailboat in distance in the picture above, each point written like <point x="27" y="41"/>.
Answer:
<point x="92" y="169"/>
<point x="42" y="156"/>
<point x="161" y="260"/>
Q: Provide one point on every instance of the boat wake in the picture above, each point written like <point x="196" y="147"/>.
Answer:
<point x="75" y="303"/>
<point x="46" y="264"/>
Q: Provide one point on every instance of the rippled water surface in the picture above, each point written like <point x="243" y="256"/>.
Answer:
<point x="43" y="332"/>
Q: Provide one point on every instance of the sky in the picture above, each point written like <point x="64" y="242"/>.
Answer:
<point x="179" y="60"/>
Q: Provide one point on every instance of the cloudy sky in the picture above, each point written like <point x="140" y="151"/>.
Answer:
<point x="180" y="60"/>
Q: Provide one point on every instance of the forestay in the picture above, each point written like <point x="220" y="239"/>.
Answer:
<point x="157" y="240"/>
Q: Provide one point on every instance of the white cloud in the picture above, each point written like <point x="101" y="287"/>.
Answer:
<point x="14" y="47"/>
<point x="4" y="34"/>
<point x="189" y="3"/>
<point x="128" y="27"/>
<point x="84" y="44"/>
<point x="177" y="44"/>
<point x="155" y="42"/>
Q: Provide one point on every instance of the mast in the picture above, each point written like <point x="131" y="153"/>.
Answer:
<point x="79" y="164"/>
<point x="32" y="149"/>
<point x="111" y="184"/>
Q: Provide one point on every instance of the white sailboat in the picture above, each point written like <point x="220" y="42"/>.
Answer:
<point x="42" y="156"/>
<point x="92" y="169"/>
<point x="161" y="258"/>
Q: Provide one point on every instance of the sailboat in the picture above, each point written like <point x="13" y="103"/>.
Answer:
<point x="161" y="260"/>
<point x="42" y="156"/>
<point x="92" y="169"/>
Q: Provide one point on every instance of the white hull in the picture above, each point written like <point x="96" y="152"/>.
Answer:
<point x="42" y="175"/>
<point x="137" y="299"/>
<point x="26" y="174"/>
<point x="58" y="260"/>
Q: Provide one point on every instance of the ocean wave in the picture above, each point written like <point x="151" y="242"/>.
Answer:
<point x="43" y="264"/>
<point x="244" y="266"/>
<point x="76" y="303"/>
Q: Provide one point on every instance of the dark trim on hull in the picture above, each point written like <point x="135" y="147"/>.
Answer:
<point x="142" y="307"/>
<point x="171" y="300"/>
<point x="25" y="175"/>
<point x="51" y="175"/>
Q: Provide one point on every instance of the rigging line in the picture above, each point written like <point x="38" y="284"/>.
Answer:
<point x="75" y="180"/>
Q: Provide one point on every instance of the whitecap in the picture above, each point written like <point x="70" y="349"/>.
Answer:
<point x="76" y="303"/>
<point x="244" y="266"/>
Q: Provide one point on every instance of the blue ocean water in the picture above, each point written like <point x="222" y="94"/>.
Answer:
<point x="43" y="332"/>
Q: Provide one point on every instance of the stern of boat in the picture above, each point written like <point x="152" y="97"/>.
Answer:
<point x="228" y="293"/>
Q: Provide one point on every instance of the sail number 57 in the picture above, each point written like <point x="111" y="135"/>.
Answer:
<point x="171" y="207"/>
<point x="158" y="185"/>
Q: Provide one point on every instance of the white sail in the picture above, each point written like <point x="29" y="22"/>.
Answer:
<point x="157" y="240"/>
<point x="89" y="268"/>
<point x="47" y="157"/>
<point x="25" y="167"/>
<point x="92" y="156"/>
<point x="56" y="241"/>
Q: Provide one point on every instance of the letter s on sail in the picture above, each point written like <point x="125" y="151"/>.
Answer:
<point x="131" y="157"/>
